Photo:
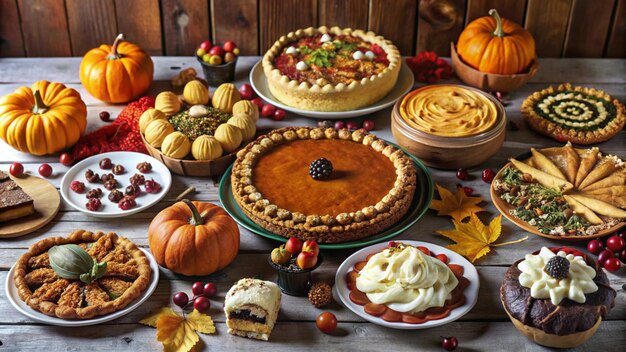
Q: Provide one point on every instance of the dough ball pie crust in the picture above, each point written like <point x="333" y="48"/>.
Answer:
<point x="371" y="187"/>
<point x="323" y="96"/>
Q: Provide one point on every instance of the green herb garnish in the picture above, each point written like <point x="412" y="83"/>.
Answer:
<point x="321" y="58"/>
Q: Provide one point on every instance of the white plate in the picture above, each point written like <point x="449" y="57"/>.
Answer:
<point x="471" y="291"/>
<point x="16" y="302"/>
<point x="403" y="85"/>
<point x="159" y="173"/>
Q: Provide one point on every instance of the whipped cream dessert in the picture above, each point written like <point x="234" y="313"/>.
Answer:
<point x="577" y="283"/>
<point x="406" y="280"/>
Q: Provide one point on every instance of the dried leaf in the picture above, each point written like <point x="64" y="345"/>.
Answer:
<point x="151" y="320"/>
<point x="201" y="322"/>
<point x="178" y="334"/>
<point x="473" y="239"/>
<point x="458" y="206"/>
<point x="168" y="327"/>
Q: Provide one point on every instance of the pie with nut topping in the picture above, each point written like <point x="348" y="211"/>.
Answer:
<point x="370" y="188"/>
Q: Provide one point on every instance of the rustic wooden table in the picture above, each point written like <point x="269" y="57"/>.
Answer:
<point x="485" y="328"/>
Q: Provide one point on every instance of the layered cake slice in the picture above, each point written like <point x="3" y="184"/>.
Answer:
<point x="14" y="202"/>
<point x="251" y="308"/>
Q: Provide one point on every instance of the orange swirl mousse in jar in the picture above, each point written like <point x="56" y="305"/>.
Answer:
<point x="449" y="126"/>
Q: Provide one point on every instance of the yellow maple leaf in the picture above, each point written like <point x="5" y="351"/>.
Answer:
<point x="458" y="206"/>
<point x="474" y="239"/>
<point x="176" y="333"/>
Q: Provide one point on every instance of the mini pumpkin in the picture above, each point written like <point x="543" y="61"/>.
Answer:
<point x="43" y="119"/>
<point x="496" y="45"/>
<point x="176" y="145"/>
<point x="247" y="109"/>
<point x="229" y="136"/>
<point x="148" y="116"/>
<point x="247" y="126"/>
<point x="118" y="73"/>
<point x="193" y="238"/>
<point x="225" y="97"/>
<point x="196" y="93"/>
<point x="206" y="147"/>
<point x="156" y="132"/>
<point x="167" y="102"/>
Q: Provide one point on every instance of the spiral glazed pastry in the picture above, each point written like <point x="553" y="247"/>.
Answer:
<point x="577" y="114"/>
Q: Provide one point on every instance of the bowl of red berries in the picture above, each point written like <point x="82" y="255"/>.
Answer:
<point x="294" y="261"/>
<point x="218" y="61"/>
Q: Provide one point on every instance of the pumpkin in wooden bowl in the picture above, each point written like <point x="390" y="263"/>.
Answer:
<point x="494" y="54"/>
<point x="199" y="140"/>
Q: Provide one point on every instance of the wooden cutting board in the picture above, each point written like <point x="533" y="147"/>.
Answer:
<point x="47" y="202"/>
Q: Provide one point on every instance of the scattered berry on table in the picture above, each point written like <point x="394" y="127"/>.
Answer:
<point x="326" y="322"/>
<point x="595" y="247"/>
<point x="351" y="125"/>
<point x="246" y="91"/>
<point x="105" y="164"/>
<point x="137" y="179"/>
<point x="209" y="290"/>
<point x="118" y="169"/>
<point x="180" y="299"/>
<point x="604" y="255"/>
<point x="468" y="191"/>
<point x="202" y="304"/>
<point x="115" y="196"/>
<point x="105" y="116"/>
<point x="16" y="169"/>
<point x="268" y="110"/>
<point x="152" y="186"/>
<point x="612" y="265"/>
<point x="488" y="175"/>
<point x="127" y="203"/>
<point x="339" y="125"/>
<point x="77" y="186"/>
<point x="93" y="204"/>
<point x="369" y="125"/>
<point x="94" y="193"/>
<point x="45" y="170"/>
<point x="111" y="184"/>
<point x="197" y="288"/>
<point x="321" y="169"/>
<point x="279" y="115"/>
<point x="615" y="243"/>
<point x="258" y="102"/>
<point x="449" y="343"/>
<point x="462" y="174"/>
<point x="144" y="167"/>
<point x="557" y="267"/>
<point x="66" y="159"/>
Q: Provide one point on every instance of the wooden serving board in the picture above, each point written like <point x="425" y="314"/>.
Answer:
<point x="47" y="202"/>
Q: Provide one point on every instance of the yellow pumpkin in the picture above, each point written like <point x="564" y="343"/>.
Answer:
<point x="225" y="97"/>
<point x="176" y="145"/>
<point x="229" y="137"/>
<point x="196" y="93"/>
<point x="148" y="116"/>
<point x="43" y="119"/>
<point x="156" y="132"/>
<point x="247" y="109"/>
<point x="167" y="102"/>
<point x="206" y="147"/>
<point x="118" y="73"/>
<point x="247" y="126"/>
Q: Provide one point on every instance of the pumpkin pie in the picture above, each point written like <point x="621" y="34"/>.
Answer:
<point x="576" y="114"/>
<point x="331" y="69"/>
<point x="122" y="279"/>
<point x="370" y="188"/>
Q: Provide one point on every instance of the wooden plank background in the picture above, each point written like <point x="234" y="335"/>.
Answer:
<point x="562" y="28"/>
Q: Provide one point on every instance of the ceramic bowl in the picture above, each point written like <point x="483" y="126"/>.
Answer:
<point x="294" y="283"/>
<point x="218" y="74"/>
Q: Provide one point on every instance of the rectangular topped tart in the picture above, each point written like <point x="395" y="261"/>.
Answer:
<point x="14" y="202"/>
<point x="251" y="308"/>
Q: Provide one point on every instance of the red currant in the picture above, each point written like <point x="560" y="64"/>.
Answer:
<point x="368" y="125"/>
<point x="45" y="170"/>
<point x="351" y="125"/>
<point x="105" y="116"/>
<point x="180" y="299"/>
<point x="258" y="102"/>
<point x="615" y="243"/>
<point x="16" y="169"/>
<point x="595" y="247"/>
<point x="202" y="304"/>
<point x="462" y="174"/>
<point x="612" y="265"/>
<point x="279" y="115"/>
<point x="246" y="91"/>
<point x="488" y="175"/>
<point x="268" y="110"/>
<point x="197" y="288"/>
<point x="339" y="125"/>
<point x="209" y="289"/>
<point x="604" y="255"/>
<point x="66" y="159"/>
<point x="449" y="343"/>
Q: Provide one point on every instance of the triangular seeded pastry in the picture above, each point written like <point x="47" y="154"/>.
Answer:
<point x="542" y="177"/>
<point x="582" y="210"/>
<point x="604" y="167"/>
<point x="544" y="164"/>
<point x="618" y="178"/>
<point x="600" y="207"/>
<point x="572" y="162"/>
<point x="587" y="161"/>
<point x="619" y="202"/>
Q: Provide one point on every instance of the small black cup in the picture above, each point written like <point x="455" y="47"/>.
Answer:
<point x="218" y="74"/>
<point x="295" y="283"/>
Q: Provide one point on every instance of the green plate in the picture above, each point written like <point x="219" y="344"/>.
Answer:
<point x="419" y="206"/>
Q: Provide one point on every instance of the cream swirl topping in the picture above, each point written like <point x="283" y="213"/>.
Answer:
<point x="406" y="280"/>
<point x="579" y="280"/>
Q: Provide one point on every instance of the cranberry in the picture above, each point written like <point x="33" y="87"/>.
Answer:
<point x="209" y="289"/>
<point x="66" y="159"/>
<point x="94" y="193"/>
<point x="339" y="125"/>
<point x="268" y="110"/>
<point x="449" y="343"/>
<point x="595" y="247"/>
<point x="118" y="169"/>
<point x="202" y="304"/>
<point x="246" y="91"/>
<point x="279" y="115"/>
<point x="325" y="124"/>
<point x="368" y="125"/>
<point x="45" y="170"/>
<point x="133" y="191"/>
<point x="16" y="169"/>
<point x="115" y="196"/>
<point x="612" y="265"/>
<point x="180" y="299"/>
<point x="127" y="203"/>
<point x="351" y="125"/>
<point x="152" y="186"/>
<point x="105" y="116"/>
<point x="106" y="164"/>
<point x="468" y="191"/>
<point x="462" y="174"/>
<point x="137" y="179"/>
<point x="111" y="184"/>
<point x="77" y="186"/>
<point x="258" y="102"/>
<point x="604" y="255"/>
<point x="107" y="177"/>
<point x="196" y="288"/>
<point x="93" y="204"/>
<point x="363" y="130"/>
<point x="615" y="243"/>
<point x="488" y="175"/>
<point x="144" y="167"/>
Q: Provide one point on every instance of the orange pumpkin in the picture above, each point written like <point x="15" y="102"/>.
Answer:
<point x="193" y="238"/>
<point x="496" y="45"/>
<point x="43" y="119"/>
<point x="118" y="73"/>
